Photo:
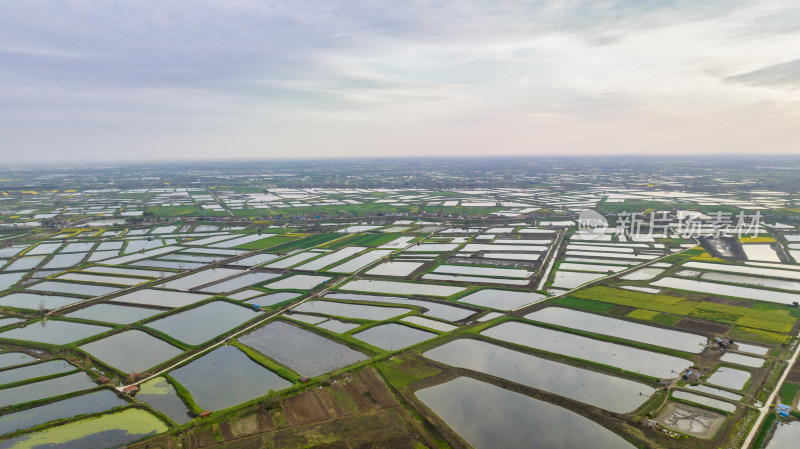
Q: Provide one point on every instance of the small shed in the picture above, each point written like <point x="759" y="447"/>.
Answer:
<point x="649" y="423"/>
<point x="204" y="414"/>
<point x="693" y="375"/>
<point x="783" y="410"/>
<point x="103" y="379"/>
<point x="130" y="389"/>
<point x="304" y="379"/>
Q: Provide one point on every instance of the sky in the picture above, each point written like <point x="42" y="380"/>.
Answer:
<point x="245" y="79"/>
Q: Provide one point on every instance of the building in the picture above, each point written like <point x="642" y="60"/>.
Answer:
<point x="783" y="410"/>
<point x="130" y="389"/>
<point x="692" y="375"/>
<point x="649" y="423"/>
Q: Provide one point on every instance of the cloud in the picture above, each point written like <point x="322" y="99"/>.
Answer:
<point x="451" y="77"/>
<point x="776" y="76"/>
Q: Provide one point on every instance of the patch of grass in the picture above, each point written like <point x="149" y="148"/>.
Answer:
<point x="706" y="257"/>
<point x="757" y="335"/>
<point x="173" y="211"/>
<point x="364" y="240"/>
<point x="789" y="392"/>
<point x="402" y="372"/>
<point x="764" y="431"/>
<point x="266" y="242"/>
<point x="640" y="314"/>
<point x="757" y="239"/>
<point x="773" y="321"/>
<point x="580" y="303"/>
<point x="308" y="242"/>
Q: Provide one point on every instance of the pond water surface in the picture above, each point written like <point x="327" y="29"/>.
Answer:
<point x="131" y="351"/>
<point x="202" y="323"/>
<point x="490" y="417"/>
<point x="392" y="336"/>
<point x="570" y="345"/>
<point x="86" y="404"/>
<point x="604" y="325"/>
<point x="104" y="431"/>
<point x="161" y="395"/>
<point x="604" y="391"/>
<point x="243" y="379"/>
<point x="305" y="352"/>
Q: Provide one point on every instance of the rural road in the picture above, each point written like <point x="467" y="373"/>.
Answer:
<point x="765" y="409"/>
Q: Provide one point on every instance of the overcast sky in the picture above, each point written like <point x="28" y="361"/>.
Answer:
<point x="196" y="79"/>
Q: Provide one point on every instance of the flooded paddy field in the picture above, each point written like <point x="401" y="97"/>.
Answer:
<point x="434" y="309"/>
<point x="8" y="359"/>
<point x="131" y="351"/>
<point x="400" y="288"/>
<point x="44" y="389"/>
<point x="104" y="431"/>
<point x="161" y="395"/>
<point x="195" y="326"/>
<point x="87" y="404"/>
<point x="590" y="387"/>
<point x="703" y="400"/>
<point x="36" y="301"/>
<point x="28" y="372"/>
<point x="112" y="313"/>
<point x="160" y="298"/>
<point x="732" y="378"/>
<point x="245" y="379"/>
<point x="297" y="282"/>
<point x="487" y="416"/>
<point x="392" y="336"/>
<point x="602" y="352"/>
<point x="273" y="298"/>
<point x="786" y="435"/>
<point x="54" y="332"/>
<point x="357" y="311"/>
<point x="72" y="288"/>
<point x="501" y="299"/>
<point x="599" y="324"/>
<point x="305" y="352"/>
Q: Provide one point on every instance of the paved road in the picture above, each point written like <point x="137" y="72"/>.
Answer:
<point x="765" y="409"/>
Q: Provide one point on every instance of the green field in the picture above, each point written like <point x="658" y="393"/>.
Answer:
<point x="364" y="240"/>
<point x="772" y="321"/>
<point x="266" y="242"/>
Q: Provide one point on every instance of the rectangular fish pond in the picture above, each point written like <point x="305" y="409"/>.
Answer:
<point x="490" y="417"/>
<point x="305" y="352"/>
<point x="611" y="393"/>
<point x="628" y="358"/>
<point x="103" y="431"/>
<point x="195" y="326"/>
<point x="226" y="377"/>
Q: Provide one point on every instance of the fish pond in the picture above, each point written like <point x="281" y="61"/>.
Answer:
<point x="487" y="416"/>
<point x="54" y="332"/>
<point x="202" y="323"/>
<point x="599" y="324"/>
<point x="611" y="393"/>
<point x="95" y="402"/>
<point x="103" y="431"/>
<point x="131" y="351"/>
<point x="305" y="352"/>
<point x="161" y="395"/>
<point x="244" y="379"/>
<point x="357" y="311"/>
<point x="598" y="351"/>
<point x="392" y="336"/>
